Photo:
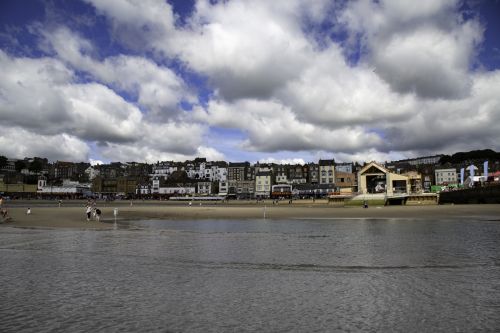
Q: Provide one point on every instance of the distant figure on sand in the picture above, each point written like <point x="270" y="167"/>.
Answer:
<point x="28" y="211"/>
<point x="88" y="211"/>
<point x="5" y="215"/>
<point x="98" y="214"/>
<point x="60" y="203"/>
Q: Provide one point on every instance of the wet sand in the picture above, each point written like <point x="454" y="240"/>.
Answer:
<point x="72" y="214"/>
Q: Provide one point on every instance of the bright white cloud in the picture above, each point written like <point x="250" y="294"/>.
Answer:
<point x="246" y="48"/>
<point x="272" y="126"/>
<point x="290" y="161"/>
<point x="40" y="97"/>
<point x="424" y="48"/>
<point x="119" y="152"/>
<point x="139" y="23"/>
<point x="27" y="95"/>
<point x="99" y="114"/>
<point x="18" y="142"/>
<point x="158" y="88"/>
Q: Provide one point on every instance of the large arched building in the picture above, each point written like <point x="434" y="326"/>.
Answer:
<point x="374" y="178"/>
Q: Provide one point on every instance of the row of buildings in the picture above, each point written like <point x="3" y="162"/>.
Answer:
<point x="199" y="177"/>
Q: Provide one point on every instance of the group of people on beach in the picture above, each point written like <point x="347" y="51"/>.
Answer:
<point x="92" y="211"/>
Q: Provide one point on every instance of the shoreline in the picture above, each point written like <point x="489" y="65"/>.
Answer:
<point x="49" y="215"/>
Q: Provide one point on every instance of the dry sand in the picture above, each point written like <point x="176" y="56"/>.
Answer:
<point x="72" y="214"/>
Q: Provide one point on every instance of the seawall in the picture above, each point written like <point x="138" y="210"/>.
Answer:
<point x="479" y="195"/>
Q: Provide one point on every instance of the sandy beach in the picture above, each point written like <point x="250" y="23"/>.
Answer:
<point x="72" y="213"/>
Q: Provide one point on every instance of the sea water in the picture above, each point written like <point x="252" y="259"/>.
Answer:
<point x="323" y="275"/>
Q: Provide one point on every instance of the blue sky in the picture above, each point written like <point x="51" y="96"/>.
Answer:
<point x="285" y="81"/>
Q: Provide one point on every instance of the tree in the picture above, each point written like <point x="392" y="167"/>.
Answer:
<point x="35" y="166"/>
<point x="19" y="165"/>
<point x="3" y="161"/>
<point x="177" y="177"/>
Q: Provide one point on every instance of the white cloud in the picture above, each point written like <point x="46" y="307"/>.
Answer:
<point x="40" y="97"/>
<point x="27" y="93"/>
<point x="138" y="22"/>
<point x="18" y="142"/>
<point x="119" y="152"/>
<point x="330" y="93"/>
<point x="290" y="161"/>
<point x="442" y="124"/>
<point x="272" y="126"/>
<point x="158" y="88"/>
<point x="424" y="48"/>
<point x="246" y="48"/>
<point x="210" y="153"/>
<point x="99" y="114"/>
<point x="38" y="94"/>
<point x="370" y="155"/>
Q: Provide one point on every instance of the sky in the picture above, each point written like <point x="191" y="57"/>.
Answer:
<point x="285" y="81"/>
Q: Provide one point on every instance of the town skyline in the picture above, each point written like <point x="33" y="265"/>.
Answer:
<point x="273" y="82"/>
<point x="482" y="154"/>
<point x="247" y="180"/>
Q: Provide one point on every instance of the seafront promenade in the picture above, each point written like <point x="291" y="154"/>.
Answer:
<point x="71" y="214"/>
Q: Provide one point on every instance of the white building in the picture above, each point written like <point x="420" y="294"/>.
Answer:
<point x="263" y="184"/>
<point x="281" y="179"/>
<point x="207" y="171"/>
<point x="179" y="190"/>
<point x="344" y="167"/>
<point x="445" y="176"/>
<point x="204" y="188"/>
<point x="163" y="169"/>
<point x="326" y="171"/>
<point x="156" y="185"/>
<point x="92" y="172"/>
<point x="219" y="174"/>
<point x="223" y="188"/>
<point x="143" y="189"/>
<point x="67" y="188"/>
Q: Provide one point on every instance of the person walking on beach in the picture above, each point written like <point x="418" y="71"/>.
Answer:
<point x="28" y="212"/>
<point x="98" y="214"/>
<point x="5" y="215"/>
<point x="88" y="211"/>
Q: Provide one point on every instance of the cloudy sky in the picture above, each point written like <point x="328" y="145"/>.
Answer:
<point x="281" y="80"/>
